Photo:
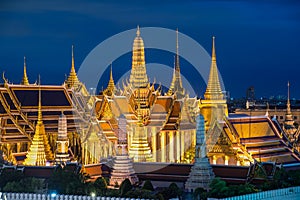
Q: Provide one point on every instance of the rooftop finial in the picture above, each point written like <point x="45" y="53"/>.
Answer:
<point x="288" y="104"/>
<point x="73" y="65"/>
<point x="72" y="79"/>
<point x="213" y="54"/>
<point x="40" y="103"/>
<point x="111" y="75"/>
<point x="138" y="33"/>
<point x="25" y="78"/>
<point x="177" y="45"/>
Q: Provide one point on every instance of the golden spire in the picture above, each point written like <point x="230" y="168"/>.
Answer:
<point x="72" y="80"/>
<point x="213" y="90"/>
<point x="177" y="52"/>
<point x="176" y="84"/>
<point x="288" y="104"/>
<point x="138" y="76"/>
<point x="39" y="151"/>
<point x="25" y="78"/>
<point x="111" y="84"/>
<point x="289" y="126"/>
<point x="138" y="32"/>
<point x="40" y="117"/>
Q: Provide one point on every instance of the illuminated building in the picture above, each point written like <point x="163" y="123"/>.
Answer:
<point x="167" y="122"/>
<point x="159" y="127"/>
<point x="19" y="116"/>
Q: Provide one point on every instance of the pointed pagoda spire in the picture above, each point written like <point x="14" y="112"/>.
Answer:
<point x="177" y="52"/>
<point x="40" y="117"/>
<point x="72" y="80"/>
<point x="25" y="78"/>
<point x="213" y="90"/>
<point x="138" y="76"/>
<point x="138" y="32"/>
<point x="39" y="151"/>
<point x="111" y="84"/>
<point x="288" y="104"/>
<point x="176" y="84"/>
<point x="288" y="125"/>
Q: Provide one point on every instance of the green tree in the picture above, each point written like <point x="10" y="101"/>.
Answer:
<point x="125" y="187"/>
<point x="27" y="185"/>
<point x="9" y="175"/>
<point x="199" y="193"/>
<point x="140" y="193"/>
<point x="100" y="186"/>
<point x="218" y="188"/>
<point x="294" y="177"/>
<point x="68" y="182"/>
<point x="148" y="186"/>
<point x="172" y="191"/>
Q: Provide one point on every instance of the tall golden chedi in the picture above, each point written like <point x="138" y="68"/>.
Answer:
<point x="176" y="84"/>
<point x="39" y="151"/>
<point x="139" y="149"/>
<point x="213" y="107"/>
<point x="138" y="77"/>
<point x="62" y="142"/>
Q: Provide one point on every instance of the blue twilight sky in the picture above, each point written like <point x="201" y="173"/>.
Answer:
<point x="257" y="41"/>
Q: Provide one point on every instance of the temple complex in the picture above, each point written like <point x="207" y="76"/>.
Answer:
<point x="162" y="125"/>
<point x="160" y="128"/>
<point x="22" y="124"/>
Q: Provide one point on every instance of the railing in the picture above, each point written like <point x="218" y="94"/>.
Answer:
<point x="284" y="193"/>
<point x="30" y="196"/>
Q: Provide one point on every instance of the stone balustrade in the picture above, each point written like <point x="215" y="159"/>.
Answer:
<point x="30" y="196"/>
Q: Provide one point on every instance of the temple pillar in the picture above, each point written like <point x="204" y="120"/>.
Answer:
<point x="171" y="146"/>
<point x="177" y="146"/>
<point x="153" y="142"/>
<point x="182" y="145"/>
<point x="85" y="154"/>
<point x="163" y="146"/>
<point x="226" y="160"/>
<point x="18" y="147"/>
<point x="214" y="160"/>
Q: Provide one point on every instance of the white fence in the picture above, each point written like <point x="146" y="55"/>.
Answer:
<point x="271" y="194"/>
<point x="29" y="196"/>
